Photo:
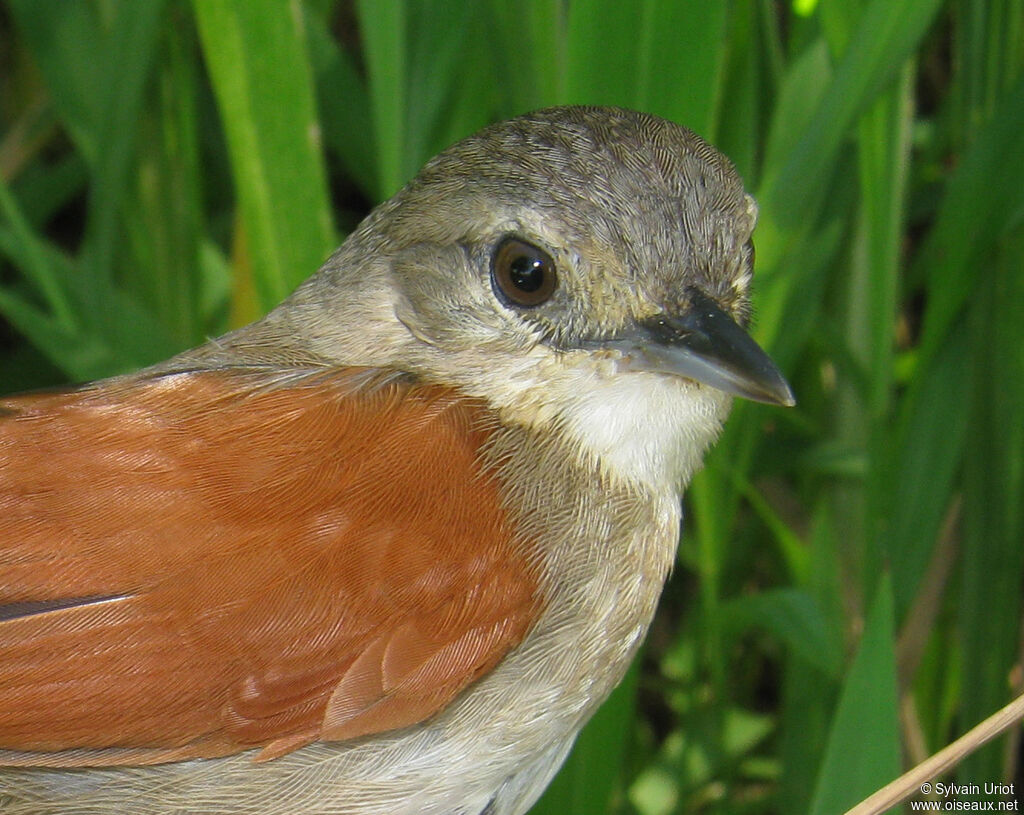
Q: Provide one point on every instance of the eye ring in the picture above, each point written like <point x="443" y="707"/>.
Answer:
<point x="522" y="274"/>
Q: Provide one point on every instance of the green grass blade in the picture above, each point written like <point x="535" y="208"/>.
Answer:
<point x="165" y="222"/>
<point x="126" y="52"/>
<point x="883" y="143"/>
<point x="802" y="87"/>
<point x="257" y="59"/>
<point x="925" y="451"/>
<point x="885" y="35"/>
<point x="681" y="62"/>
<point x="441" y="66"/>
<point x="863" y="750"/>
<point x="984" y="195"/>
<point x="63" y="46"/>
<point x="34" y="262"/>
<point x="993" y="554"/>
<point x="382" y="26"/>
<point x="808" y="694"/>
<point x="97" y="66"/>
<point x="602" y="41"/>
<point x="743" y="96"/>
<point x="862" y="419"/>
<point x="74" y="354"/>
<point x="344" y="107"/>
<point x="675" y="48"/>
<point x="529" y="46"/>
<point x="979" y="203"/>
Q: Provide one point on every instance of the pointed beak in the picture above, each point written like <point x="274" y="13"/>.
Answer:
<point x="705" y="344"/>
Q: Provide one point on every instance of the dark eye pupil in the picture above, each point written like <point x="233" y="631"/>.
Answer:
<point x="522" y="274"/>
<point x="527" y="273"/>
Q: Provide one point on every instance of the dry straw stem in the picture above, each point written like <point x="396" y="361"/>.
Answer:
<point x="907" y="784"/>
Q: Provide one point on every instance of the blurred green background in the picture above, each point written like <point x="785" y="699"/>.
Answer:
<point x="848" y="593"/>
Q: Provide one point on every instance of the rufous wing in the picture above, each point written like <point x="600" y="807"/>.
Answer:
<point x="200" y="563"/>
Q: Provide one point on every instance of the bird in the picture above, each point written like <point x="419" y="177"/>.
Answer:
<point x="386" y="549"/>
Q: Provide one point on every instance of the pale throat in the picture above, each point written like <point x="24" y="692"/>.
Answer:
<point x="645" y="428"/>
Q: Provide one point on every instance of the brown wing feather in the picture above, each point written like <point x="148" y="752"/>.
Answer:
<point x="207" y="562"/>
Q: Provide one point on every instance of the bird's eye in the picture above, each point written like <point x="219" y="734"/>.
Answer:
<point x="522" y="274"/>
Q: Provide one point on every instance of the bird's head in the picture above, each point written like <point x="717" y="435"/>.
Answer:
<point x="582" y="269"/>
